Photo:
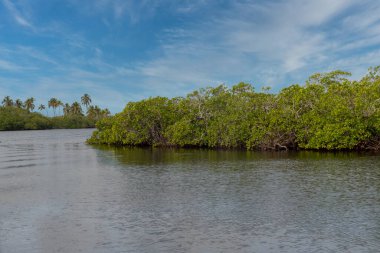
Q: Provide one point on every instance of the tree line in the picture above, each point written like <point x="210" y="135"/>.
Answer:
<point x="17" y="114"/>
<point x="328" y="112"/>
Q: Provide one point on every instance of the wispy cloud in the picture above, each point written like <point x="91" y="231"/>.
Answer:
<point x="137" y="11"/>
<point x="28" y="71"/>
<point x="267" y="42"/>
<point x="118" y="9"/>
<point x="18" y="58"/>
<point x="16" y="14"/>
<point x="35" y="54"/>
<point x="126" y="50"/>
<point x="6" y="65"/>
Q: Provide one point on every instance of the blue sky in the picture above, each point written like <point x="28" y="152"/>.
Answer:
<point x="120" y="51"/>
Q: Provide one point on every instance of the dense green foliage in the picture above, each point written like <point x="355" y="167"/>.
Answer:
<point x="328" y="112"/>
<point x="18" y="115"/>
<point x="13" y="118"/>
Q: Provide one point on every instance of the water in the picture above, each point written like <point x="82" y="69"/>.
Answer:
<point x="58" y="194"/>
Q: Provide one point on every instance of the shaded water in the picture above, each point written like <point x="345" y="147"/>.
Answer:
<point x="58" y="194"/>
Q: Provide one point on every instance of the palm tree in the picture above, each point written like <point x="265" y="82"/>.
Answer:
<point x="86" y="100"/>
<point x="41" y="107"/>
<point x="29" y="104"/>
<point x="105" y="113"/>
<point x="93" y="112"/>
<point x="59" y="103"/>
<point x="19" y="103"/>
<point x="76" y="109"/>
<point x="66" y="109"/>
<point x="7" y="101"/>
<point x="53" y="102"/>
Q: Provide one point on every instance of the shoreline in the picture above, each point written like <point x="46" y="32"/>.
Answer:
<point x="173" y="147"/>
<point x="19" y="130"/>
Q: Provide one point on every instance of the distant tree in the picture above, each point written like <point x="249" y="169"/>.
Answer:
<point x="54" y="103"/>
<point x="266" y="89"/>
<point x="328" y="79"/>
<point x="66" y="109"/>
<point x="242" y="88"/>
<point x="60" y="104"/>
<point x="105" y="113"/>
<point x="76" y="108"/>
<point x="19" y="103"/>
<point x="7" y="101"/>
<point x="41" y="107"/>
<point x="29" y="104"/>
<point x="86" y="100"/>
<point x="93" y="112"/>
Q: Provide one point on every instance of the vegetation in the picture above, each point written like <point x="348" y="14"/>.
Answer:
<point x="329" y="112"/>
<point x="18" y="115"/>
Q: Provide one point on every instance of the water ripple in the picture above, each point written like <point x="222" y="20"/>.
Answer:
<point x="58" y="194"/>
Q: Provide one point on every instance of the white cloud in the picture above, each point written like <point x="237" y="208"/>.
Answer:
<point x="16" y="14"/>
<point x="136" y="11"/>
<point x="6" y="65"/>
<point x="119" y="9"/>
<point x="28" y="71"/>
<point x="35" y="54"/>
<point x="271" y="42"/>
<point x="263" y="42"/>
<point x="283" y="36"/>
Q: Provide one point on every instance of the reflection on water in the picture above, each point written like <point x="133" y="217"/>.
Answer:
<point x="59" y="195"/>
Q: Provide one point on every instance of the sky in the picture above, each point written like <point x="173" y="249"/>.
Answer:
<point x="126" y="50"/>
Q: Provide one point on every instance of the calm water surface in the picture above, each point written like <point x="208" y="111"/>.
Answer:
<point x="58" y="194"/>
